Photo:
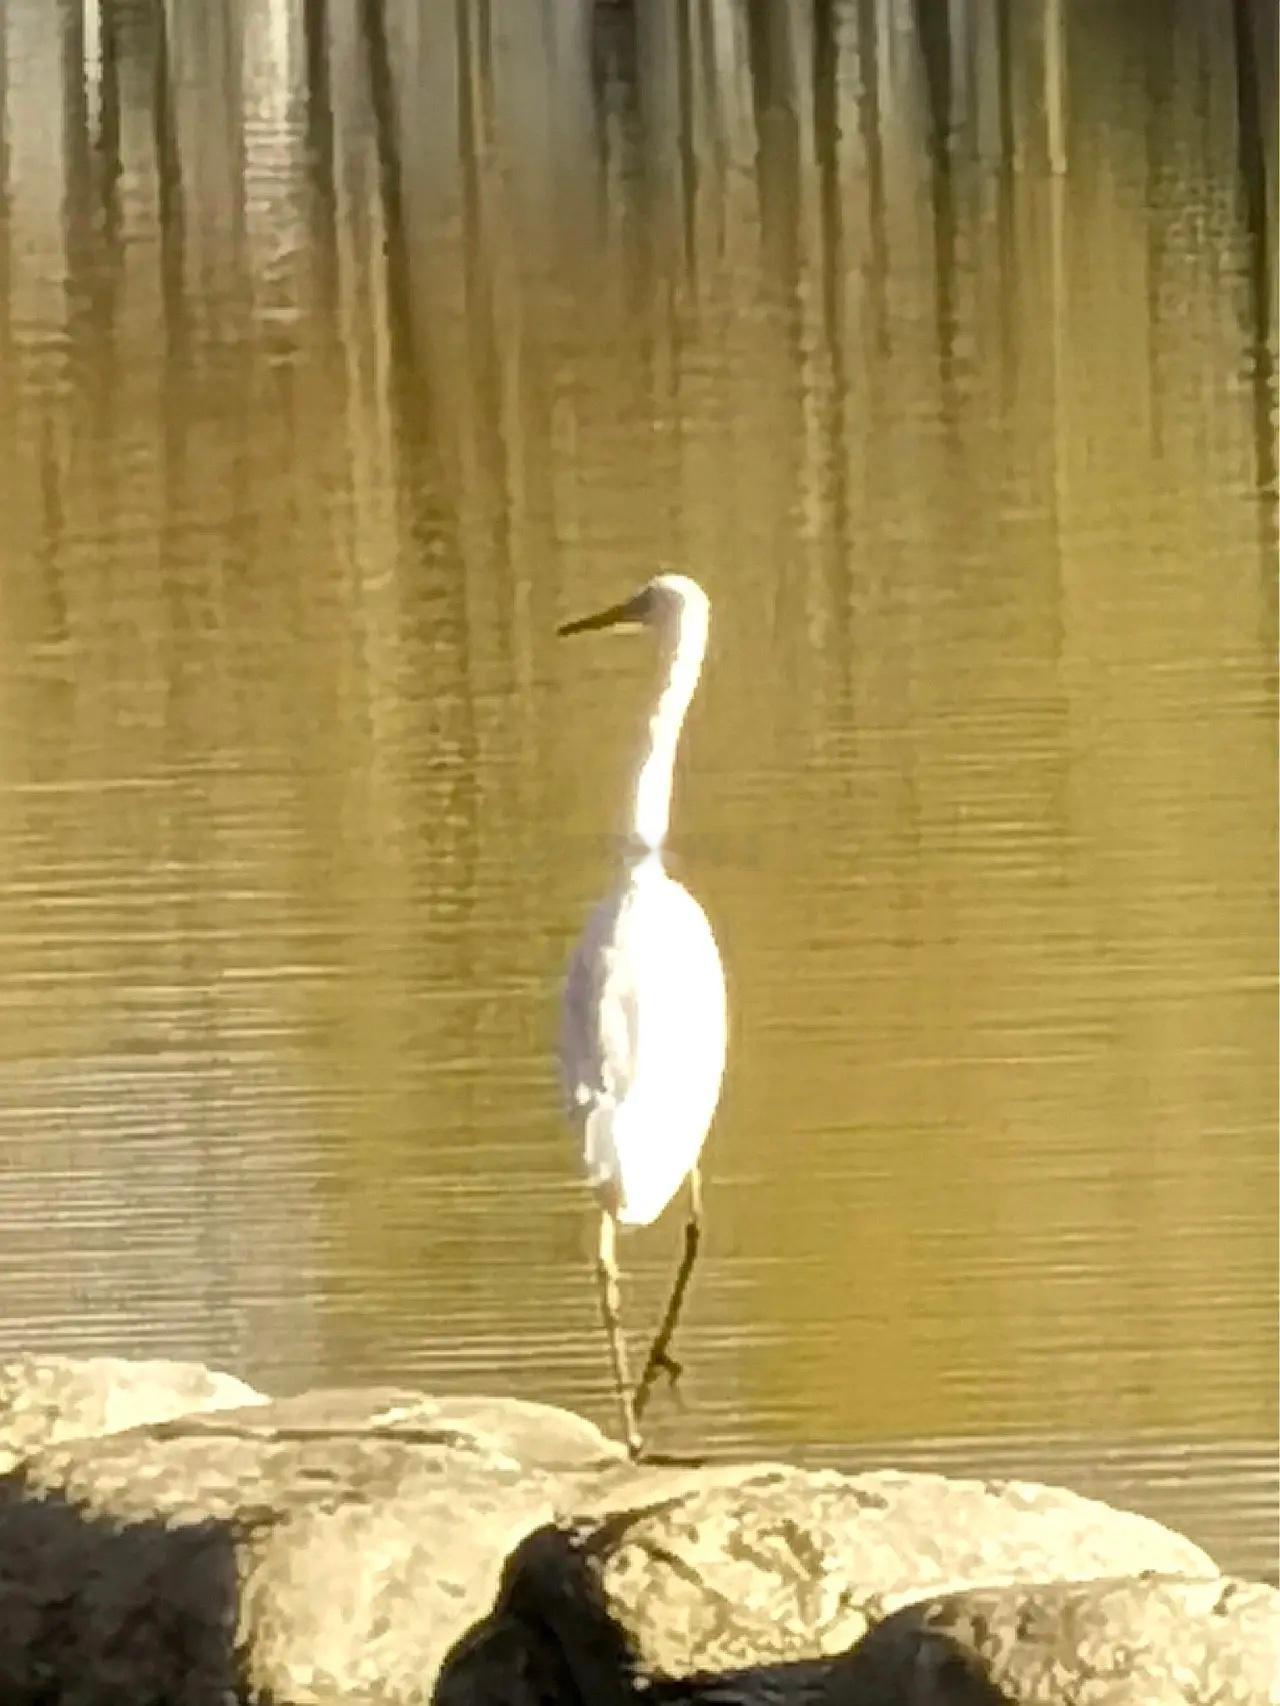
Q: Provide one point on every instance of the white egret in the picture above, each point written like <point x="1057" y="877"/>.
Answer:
<point x="642" y="1039"/>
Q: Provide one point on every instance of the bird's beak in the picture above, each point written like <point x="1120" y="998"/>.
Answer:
<point x="629" y="614"/>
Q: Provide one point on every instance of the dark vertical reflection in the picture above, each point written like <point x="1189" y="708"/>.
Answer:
<point x="411" y="396"/>
<point x="171" y="210"/>
<point x="175" y="392"/>
<point x="771" y="56"/>
<point x="469" y="170"/>
<point x="1004" y="85"/>
<point x="373" y="27"/>
<point x="319" y="100"/>
<point x="1255" y="48"/>
<point x="712" y="113"/>
<point x="868" y="101"/>
<point x="95" y="258"/>
<point x="614" y="85"/>
<point x="484" y="72"/>
<point x="78" y="235"/>
<point x="772" y="70"/>
<point x="688" y="142"/>
<point x="1158" y="73"/>
<point x="933" y="32"/>
<point x="108" y="138"/>
<point x="474" y="83"/>
<point x="1001" y="74"/>
<point x="826" y="146"/>
<point x="468" y="155"/>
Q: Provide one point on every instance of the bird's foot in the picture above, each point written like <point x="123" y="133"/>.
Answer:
<point x="659" y="1362"/>
<point x="667" y="1364"/>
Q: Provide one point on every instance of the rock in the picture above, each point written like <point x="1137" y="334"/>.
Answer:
<point x="384" y="1546"/>
<point x="1150" y="1641"/>
<point x="49" y="1398"/>
<point x="316" y="1548"/>
<point x="365" y="1591"/>
<point x="1136" y="1641"/>
<point x="762" y="1578"/>
<point x="779" y="1563"/>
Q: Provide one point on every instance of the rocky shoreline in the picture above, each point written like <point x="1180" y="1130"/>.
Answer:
<point x="167" y="1534"/>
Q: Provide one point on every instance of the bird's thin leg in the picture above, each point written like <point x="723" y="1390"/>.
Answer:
<point x="611" y="1310"/>
<point x="660" y="1357"/>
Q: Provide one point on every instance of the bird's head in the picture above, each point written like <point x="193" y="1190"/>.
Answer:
<point x="667" y="603"/>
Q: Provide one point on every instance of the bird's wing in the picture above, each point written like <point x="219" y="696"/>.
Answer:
<point x="600" y="1020"/>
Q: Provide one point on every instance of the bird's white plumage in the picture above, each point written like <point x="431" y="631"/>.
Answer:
<point x="642" y="1041"/>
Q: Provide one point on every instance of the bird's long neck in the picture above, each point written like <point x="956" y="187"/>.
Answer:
<point x="651" y="814"/>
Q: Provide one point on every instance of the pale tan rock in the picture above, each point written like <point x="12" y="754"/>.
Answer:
<point x="44" y="1399"/>
<point x="780" y="1563"/>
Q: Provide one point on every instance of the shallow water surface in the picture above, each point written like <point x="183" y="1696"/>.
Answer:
<point x="346" y="350"/>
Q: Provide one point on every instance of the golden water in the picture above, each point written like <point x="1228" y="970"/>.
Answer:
<point x="339" y="361"/>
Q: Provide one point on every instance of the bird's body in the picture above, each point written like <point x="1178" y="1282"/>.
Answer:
<point x="643" y="1041"/>
<point x="642" y="1037"/>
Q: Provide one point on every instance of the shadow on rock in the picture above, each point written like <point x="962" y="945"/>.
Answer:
<point x="96" y="1610"/>
<point x="550" y="1637"/>
<point x="550" y="1641"/>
